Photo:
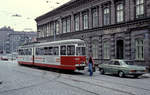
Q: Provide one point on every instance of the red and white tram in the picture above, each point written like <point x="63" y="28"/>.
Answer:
<point x="65" y="54"/>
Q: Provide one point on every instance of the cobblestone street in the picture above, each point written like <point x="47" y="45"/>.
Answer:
<point x="22" y="80"/>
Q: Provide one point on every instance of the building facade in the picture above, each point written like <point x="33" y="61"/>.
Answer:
<point x="4" y="39"/>
<point x="10" y="40"/>
<point x="19" y="38"/>
<point x="112" y="29"/>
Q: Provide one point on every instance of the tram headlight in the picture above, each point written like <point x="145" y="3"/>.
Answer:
<point x="82" y="64"/>
<point x="77" y="65"/>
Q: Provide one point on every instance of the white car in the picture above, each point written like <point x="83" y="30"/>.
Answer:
<point x="4" y="57"/>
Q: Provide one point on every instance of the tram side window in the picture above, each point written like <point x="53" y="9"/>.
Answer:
<point x="70" y="50"/>
<point x="30" y="51"/>
<point x="27" y="51"/>
<point x="50" y="51"/>
<point x="80" y="51"/>
<point x="39" y="51"/>
<point x="56" y="50"/>
<point x="46" y="51"/>
<point x="20" y="52"/>
<point x="63" y="50"/>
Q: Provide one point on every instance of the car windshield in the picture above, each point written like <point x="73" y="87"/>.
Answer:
<point x="126" y="62"/>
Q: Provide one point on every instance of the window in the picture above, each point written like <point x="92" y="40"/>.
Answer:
<point x="48" y="29"/>
<point x="47" y="34"/>
<point x="70" y="50"/>
<point x="120" y="12"/>
<point x="80" y="51"/>
<point x="95" y="17"/>
<point x="39" y="51"/>
<point x="46" y="51"/>
<point x="41" y="31"/>
<point x="45" y="30"/>
<point x="63" y="50"/>
<point x="95" y="49"/>
<point x="50" y="51"/>
<point x="52" y="28"/>
<point x="64" y="27"/>
<point x="106" y="13"/>
<point x="106" y="50"/>
<point x="77" y="22"/>
<point x="25" y="51"/>
<point x="56" y="50"/>
<point x="116" y="63"/>
<point x="28" y="51"/>
<point x="139" y="8"/>
<point x="66" y="24"/>
<point x="57" y="27"/>
<point x="139" y="49"/>
<point x="20" y="52"/>
<point x="85" y="20"/>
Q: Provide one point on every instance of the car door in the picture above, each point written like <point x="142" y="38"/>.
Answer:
<point x="108" y="67"/>
<point x="115" y="67"/>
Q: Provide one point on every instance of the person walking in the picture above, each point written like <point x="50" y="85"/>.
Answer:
<point x="90" y="66"/>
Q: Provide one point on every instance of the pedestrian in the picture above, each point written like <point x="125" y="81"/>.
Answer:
<point x="90" y="66"/>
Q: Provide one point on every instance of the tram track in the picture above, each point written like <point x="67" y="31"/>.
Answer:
<point x="67" y="84"/>
<point x="54" y="79"/>
<point x="98" y="85"/>
<point x="123" y="84"/>
<point x="59" y="75"/>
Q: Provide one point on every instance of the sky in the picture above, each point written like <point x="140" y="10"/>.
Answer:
<point x="20" y="14"/>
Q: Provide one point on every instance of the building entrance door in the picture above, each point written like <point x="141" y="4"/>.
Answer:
<point x="120" y="49"/>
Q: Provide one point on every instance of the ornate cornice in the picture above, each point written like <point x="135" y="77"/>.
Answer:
<point x="125" y="24"/>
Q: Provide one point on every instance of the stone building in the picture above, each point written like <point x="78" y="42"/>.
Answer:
<point x="10" y="40"/>
<point x="112" y="29"/>
<point x="19" y="38"/>
<point x="4" y="39"/>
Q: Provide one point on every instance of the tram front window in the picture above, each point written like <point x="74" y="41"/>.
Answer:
<point x="80" y="51"/>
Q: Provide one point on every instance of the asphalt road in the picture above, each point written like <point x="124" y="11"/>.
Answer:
<point x="22" y="80"/>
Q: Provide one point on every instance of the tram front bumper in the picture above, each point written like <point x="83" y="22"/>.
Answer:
<point x="80" y="66"/>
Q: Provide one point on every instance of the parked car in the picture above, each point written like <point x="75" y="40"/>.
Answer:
<point x="4" y="57"/>
<point x="122" y="68"/>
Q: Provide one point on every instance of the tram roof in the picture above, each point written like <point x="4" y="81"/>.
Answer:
<point x="70" y="41"/>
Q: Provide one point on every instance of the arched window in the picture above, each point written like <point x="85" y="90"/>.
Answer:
<point x="106" y="52"/>
<point x="139" y="45"/>
<point x="95" y="49"/>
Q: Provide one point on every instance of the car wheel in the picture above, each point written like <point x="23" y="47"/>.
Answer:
<point x="102" y="71"/>
<point x="121" y="74"/>
<point x="136" y="76"/>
